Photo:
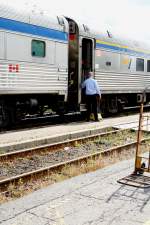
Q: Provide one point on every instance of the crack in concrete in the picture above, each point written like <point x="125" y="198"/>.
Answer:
<point x="90" y="197"/>
<point x="43" y="217"/>
<point x="97" y="221"/>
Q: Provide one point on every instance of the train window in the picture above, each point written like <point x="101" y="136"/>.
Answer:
<point x="139" y="64"/>
<point x="148" y="65"/>
<point x="72" y="27"/>
<point x="38" y="48"/>
<point x="60" y="21"/>
<point x="108" y="63"/>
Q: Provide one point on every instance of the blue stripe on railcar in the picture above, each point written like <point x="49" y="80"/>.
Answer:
<point x="26" y="28"/>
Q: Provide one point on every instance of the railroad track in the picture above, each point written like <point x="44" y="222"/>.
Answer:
<point x="66" y="153"/>
<point x="57" y="145"/>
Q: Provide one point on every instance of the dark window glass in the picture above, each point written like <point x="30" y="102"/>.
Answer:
<point x="108" y="63"/>
<point x="148" y="65"/>
<point x="38" y="48"/>
<point x="139" y="64"/>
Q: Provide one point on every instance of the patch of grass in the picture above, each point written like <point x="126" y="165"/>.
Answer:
<point x="77" y="144"/>
<point x="2" y="152"/>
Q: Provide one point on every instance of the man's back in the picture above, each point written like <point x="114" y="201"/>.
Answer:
<point x="91" y="86"/>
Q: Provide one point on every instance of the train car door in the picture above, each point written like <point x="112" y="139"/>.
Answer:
<point x="80" y="61"/>
<point x="73" y="66"/>
<point x="87" y="60"/>
<point x="87" y="56"/>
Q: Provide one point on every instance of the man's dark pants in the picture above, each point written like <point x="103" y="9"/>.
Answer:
<point x="91" y="102"/>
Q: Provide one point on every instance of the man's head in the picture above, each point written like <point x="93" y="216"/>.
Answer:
<point x="89" y="74"/>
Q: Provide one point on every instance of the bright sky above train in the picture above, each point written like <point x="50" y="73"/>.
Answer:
<point x="129" y="18"/>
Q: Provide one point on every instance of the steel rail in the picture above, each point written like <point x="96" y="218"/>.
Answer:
<point x="54" y="146"/>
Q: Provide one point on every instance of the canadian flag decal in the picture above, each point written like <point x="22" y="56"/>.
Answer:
<point x="13" y="68"/>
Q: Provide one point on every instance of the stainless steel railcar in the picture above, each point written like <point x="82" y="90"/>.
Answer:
<point x="43" y="62"/>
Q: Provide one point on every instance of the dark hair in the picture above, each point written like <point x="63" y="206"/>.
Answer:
<point x="89" y="74"/>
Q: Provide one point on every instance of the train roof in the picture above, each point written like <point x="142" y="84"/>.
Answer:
<point x="53" y="23"/>
<point x="30" y="17"/>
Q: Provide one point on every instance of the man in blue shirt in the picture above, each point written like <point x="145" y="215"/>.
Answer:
<point x="92" y="92"/>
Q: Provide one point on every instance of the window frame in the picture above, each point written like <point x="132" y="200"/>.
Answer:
<point x="44" y="49"/>
<point x="148" y="66"/>
<point x="140" y="60"/>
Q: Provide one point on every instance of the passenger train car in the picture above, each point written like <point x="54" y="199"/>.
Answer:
<point x="43" y="61"/>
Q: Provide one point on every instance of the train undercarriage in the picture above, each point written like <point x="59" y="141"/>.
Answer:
<point x="15" y="108"/>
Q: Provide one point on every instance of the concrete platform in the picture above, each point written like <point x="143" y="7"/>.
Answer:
<point x="28" y="138"/>
<point x="91" y="199"/>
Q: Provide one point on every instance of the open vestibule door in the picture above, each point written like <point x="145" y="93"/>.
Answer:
<point x="80" y="61"/>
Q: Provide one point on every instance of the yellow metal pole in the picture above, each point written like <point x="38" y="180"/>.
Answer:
<point x="149" y="162"/>
<point x="139" y="136"/>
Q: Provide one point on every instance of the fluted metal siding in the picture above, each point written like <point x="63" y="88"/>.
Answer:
<point x="113" y="82"/>
<point x="147" y="82"/>
<point x="118" y="78"/>
<point x="33" y="78"/>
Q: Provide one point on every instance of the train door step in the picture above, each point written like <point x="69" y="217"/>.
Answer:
<point x="140" y="181"/>
<point x="82" y="107"/>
